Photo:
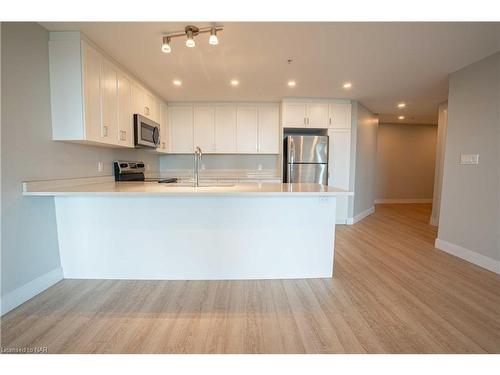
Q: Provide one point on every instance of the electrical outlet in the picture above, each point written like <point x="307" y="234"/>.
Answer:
<point x="466" y="159"/>
<point x="100" y="167"/>
<point x="203" y="167"/>
<point x="259" y="167"/>
<point x="147" y="167"/>
<point x="323" y="200"/>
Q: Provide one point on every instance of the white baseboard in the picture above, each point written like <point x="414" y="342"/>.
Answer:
<point x="362" y="215"/>
<point x="468" y="255"/>
<point x="29" y="290"/>
<point x="410" y="200"/>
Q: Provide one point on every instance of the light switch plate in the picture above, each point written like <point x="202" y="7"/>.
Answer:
<point x="467" y="159"/>
<point x="100" y="166"/>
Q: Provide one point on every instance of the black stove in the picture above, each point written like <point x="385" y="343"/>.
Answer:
<point x="134" y="171"/>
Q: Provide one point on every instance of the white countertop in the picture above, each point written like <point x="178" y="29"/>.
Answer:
<point x="111" y="188"/>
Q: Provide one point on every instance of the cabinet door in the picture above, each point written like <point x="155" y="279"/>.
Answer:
<point x="125" y="117"/>
<point x="294" y="115"/>
<point x="163" y="146"/>
<point x="339" y="164"/>
<point x="268" y="129"/>
<point x="340" y="116"/>
<point x="151" y="107"/>
<point x="109" y="97"/>
<point x="204" y="128"/>
<point x="225" y="129"/>
<point x="180" y="125"/>
<point x="92" y="92"/>
<point x="317" y="115"/>
<point x="138" y="99"/>
<point x="246" y="129"/>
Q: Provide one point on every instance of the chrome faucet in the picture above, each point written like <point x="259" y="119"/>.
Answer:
<point x="197" y="158"/>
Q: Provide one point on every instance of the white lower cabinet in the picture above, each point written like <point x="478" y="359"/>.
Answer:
<point x="339" y="165"/>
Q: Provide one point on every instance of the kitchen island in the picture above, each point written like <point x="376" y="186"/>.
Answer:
<point x="146" y="230"/>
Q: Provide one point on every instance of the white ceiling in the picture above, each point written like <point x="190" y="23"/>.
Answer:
<point x="386" y="62"/>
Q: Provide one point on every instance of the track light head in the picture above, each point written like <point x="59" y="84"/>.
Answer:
<point x="165" y="47"/>
<point x="213" y="40"/>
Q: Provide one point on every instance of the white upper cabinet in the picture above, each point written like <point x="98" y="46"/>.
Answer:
<point x="317" y="115"/>
<point x="163" y="147"/>
<point x="109" y="98"/>
<point x="221" y="128"/>
<point x="294" y="115"/>
<point x="91" y="94"/>
<point x="340" y="115"/>
<point x="268" y="129"/>
<point x="125" y="114"/>
<point x="92" y="99"/>
<point x="180" y="126"/>
<point x="204" y="128"/>
<point x="314" y="113"/>
<point x="246" y="129"/>
<point x="225" y="129"/>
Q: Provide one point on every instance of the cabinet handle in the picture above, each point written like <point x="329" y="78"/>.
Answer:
<point x="104" y="131"/>
<point x="305" y="121"/>
<point x="330" y="120"/>
<point x="308" y="121"/>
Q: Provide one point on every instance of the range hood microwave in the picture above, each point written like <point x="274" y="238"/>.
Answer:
<point x="146" y="132"/>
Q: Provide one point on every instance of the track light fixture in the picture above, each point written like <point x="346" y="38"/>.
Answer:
<point x="190" y="32"/>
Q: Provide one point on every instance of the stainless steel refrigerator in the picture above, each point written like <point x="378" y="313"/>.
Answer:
<point x="306" y="158"/>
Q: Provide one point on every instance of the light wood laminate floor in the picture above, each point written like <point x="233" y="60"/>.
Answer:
<point x="392" y="292"/>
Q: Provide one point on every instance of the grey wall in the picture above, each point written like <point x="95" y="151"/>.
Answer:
<point x="29" y="236"/>
<point x="365" y="160"/>
<point x="470" y="201"/>
<point x="405" y="161"/>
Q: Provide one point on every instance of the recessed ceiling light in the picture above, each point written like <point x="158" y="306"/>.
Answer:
<point x="235" y="82"/>
<point x="177" y="82"/>
<point x="401" y="105"/>
<point x="347" y="85"/>
<point x="292" y="83"/>
<point x="401" y="117"/>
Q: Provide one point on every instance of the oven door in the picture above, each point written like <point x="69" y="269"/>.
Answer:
<point x="146" y="132"/>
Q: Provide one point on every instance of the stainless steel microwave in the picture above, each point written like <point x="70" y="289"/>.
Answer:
<point x="146" y="132"/>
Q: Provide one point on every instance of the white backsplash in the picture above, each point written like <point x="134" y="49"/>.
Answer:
<point x="268" y="164"/>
